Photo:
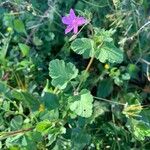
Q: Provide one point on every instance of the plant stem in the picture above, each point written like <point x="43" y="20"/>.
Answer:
<point x="89" y="64"/>
<point x="86" y="70"/>
<point x="147" y="69"/>
<point x="96" y="5"/>
<point x="75" y="35"/>
<point x="106" y="100"/>
<point x="8" y="134"/>
<point x="145" y="61"/>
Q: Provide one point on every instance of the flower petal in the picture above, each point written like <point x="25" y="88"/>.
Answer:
<point x="81" y="21"/>
<point x="68" y="29"/>
<point x="72" y="14"/>
<point x="66" y="20"/>
<point x="75" y="29"/>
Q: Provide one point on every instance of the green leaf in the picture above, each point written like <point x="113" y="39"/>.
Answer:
<point x="145" y="113"/>
<point x="4" y="48"/>
<point x="61" y="73"/>
<point x="30" y="140"/>
<point x="14" y="140"/>
<point x="50" y="101"/>
<point x="105" y="87"/>
<point x="3" y="87"/>
<point x="50" y="127"/>
<point x="79" y="139"/>
<point x="140" y="129"/>
<point x="98" y="109"/>
<point x="37" y="41"/>
<point x="28" y="99"/>
<point x="50" y="115"/>
<point x="83" y="105"/>
<point x="102" y="35"/>
<point x="43" y="126"/>
<point x="24" y="49"/>
<point x="34" y="136"/>
<point x="83" y="46"/>
<point x="133" y="70"/>
<point x="8" y="20"/>
<point x="16" y="123"/>
<point x="125" y="76"/>
<point x="19" y="26"/>
<point x="109" y="52"/>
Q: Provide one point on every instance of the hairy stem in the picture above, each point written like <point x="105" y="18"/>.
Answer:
<point x="13" y="133"/>
<point x="109" y="101"/>
<point x="86" y="70"/>
<point x="89" y="64"/>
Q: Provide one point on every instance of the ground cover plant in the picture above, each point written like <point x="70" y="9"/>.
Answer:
<point x="75" y="74"/>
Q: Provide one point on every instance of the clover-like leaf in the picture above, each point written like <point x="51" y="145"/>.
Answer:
<point x="109" y="52"/>
<point x="83" y="105"/>
<point x="83" y="46"/>
<point x="61" y="73"/>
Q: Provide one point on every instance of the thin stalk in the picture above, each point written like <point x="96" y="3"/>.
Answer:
<point x="13" y="133"/>
<point x="138" y="31"/>
<point x="2" y="35"/>
<point x="145" y="61"/>
<point x="92" y="4"/>
<point x="89" y="64"/>
<point x="86" y="70"/>
<point x="75" y="35"/>
<point x="147" y="69"/>
<point x="106" y="100"/>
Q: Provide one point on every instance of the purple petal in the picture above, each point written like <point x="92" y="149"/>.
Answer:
<point x="81" y="21"/>
<point x="72" y="14"/>
<point x="75" y="29"/>
<point x="66" y="20"/>
<point x="68" y="29"/>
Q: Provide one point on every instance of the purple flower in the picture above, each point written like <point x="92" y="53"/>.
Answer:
<point x="73" y="22"/>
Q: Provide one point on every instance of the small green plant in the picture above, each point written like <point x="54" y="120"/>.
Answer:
<point x="74" y="75"/>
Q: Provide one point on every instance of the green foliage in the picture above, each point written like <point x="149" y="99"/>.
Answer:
<point x="19" y="26"/>
<point x="108" y="52"/>
<point x="43" y="126"/>
<point x="84" y="91"/>
<point x="105" y="88"/>
<point x="83" y="46"/>
<point x="16" y="123"/>
<point x="83" y="104"/>
<point x="50" y="100"/>
<point x="79" y="139"/>
<point x="101" y="47"/>
<point x="140" y="129"/>
<point x="24" y="49"/>
<point x="61" y="73"/>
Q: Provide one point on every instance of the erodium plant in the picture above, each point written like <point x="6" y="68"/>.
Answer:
<point x="74" y="75"/>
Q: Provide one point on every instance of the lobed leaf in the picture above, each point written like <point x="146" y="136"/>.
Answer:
<point x="83" y="46"/>
<point x="83" y="105"/>
<point x="61" y="73"/>
<point x="109" y="52"/>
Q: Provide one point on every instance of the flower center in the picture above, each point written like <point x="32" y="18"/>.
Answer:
<point x="75" y="22"/>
